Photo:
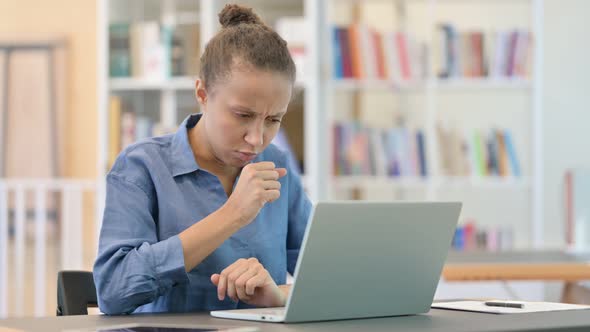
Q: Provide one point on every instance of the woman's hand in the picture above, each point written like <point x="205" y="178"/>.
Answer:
<point x="248" y="281"/>
<point x="257" y="185"/>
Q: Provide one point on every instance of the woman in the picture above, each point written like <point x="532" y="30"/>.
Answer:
<point x="209" y="217"/>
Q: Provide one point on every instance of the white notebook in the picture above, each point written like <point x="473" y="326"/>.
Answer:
<point x="479" y="306"/>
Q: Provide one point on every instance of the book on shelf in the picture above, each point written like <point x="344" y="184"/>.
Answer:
<point x="151" y="50"/>
<point x="363" y="53"/>
<point x="148" y="51"/>
<point x="470" y="237"/>
<point x="476" y="152"/>
<point x="361" y="150"/>
<point x="479" y="54"/>
<point x="454" y="154"/>
<point x="126" y="127"/>
<point x="119" y="50"/>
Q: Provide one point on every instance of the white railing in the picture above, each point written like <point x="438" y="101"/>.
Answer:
<point x="19" y="260"/>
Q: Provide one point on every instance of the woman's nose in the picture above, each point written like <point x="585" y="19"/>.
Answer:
<point x="255" y="135"/>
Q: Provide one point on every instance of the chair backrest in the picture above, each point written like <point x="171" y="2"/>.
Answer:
<point x="75" y="292"/>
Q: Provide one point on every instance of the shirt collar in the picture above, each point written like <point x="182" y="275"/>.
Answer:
<point x="182" y="157"/>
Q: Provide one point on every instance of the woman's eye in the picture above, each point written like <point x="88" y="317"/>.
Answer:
<point x="243" y="115"/>
<point x="276" y="120"/>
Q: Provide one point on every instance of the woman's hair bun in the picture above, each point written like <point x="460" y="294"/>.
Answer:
<point x="233" y="14"/>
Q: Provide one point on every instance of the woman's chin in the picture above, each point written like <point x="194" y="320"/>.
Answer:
<point x="238" y="163"/>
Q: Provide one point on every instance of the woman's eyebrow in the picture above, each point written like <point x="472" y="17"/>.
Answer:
<point x="250" y="111"/>
<point x="242" y="109"/>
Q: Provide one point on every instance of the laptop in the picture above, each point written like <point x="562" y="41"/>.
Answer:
<point x="365" y="259"/>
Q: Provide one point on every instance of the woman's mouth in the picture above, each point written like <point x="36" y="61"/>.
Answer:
<point x="246" y="156"/>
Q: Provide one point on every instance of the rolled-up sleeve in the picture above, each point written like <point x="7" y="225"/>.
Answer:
<point x="133" y="266"/>
<point x="299" y="210"/>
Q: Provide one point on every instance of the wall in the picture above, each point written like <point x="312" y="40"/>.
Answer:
<point x="566" y="103"/>
<point x="76" y="21"/>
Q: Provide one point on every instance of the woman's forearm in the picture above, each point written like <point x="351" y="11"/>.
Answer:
<point x="202" y="238"/>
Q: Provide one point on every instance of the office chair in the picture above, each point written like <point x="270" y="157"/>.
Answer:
<point x="75" y="292"/>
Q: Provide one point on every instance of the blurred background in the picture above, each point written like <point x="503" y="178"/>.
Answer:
<point x="482" y="101"/>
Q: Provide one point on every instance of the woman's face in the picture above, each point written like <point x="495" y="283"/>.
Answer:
<point x="243" y="113"/>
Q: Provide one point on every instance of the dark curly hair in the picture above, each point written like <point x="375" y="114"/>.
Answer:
<point x="244" y="37"/>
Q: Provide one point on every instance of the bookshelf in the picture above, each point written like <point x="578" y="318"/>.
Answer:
<point x="147" y="67"/>
<point x="324" y="100"/>
<point x="423" y="102"/>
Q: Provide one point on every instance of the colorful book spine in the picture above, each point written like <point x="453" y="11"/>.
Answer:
<point x="345" y="52"/>
<point x="422" y="152"/>
<point x="360" y="52"/>
<point x="355" y="53"/>
<point x="119" y="50"/>
<point x="503" y="166"/>
<point x="361" y="150"/>
<point x="337" y="52"/>
<point x="512" y="155"/>
<point x="501" y="54"/>
<point x="470" y="237"/>
<point x="402" y="47"/>
<point x="480" y="155"/>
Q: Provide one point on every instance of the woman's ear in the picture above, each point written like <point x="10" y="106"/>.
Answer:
<point x="200" y="92"/>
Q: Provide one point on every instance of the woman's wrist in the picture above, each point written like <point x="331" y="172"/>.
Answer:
<point x="275" y="297"/>
<point x="231" y="216"/>
<point x="284" y="295"/>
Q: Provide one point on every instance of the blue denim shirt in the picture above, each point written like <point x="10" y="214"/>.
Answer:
<point x="155" y="190"/>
